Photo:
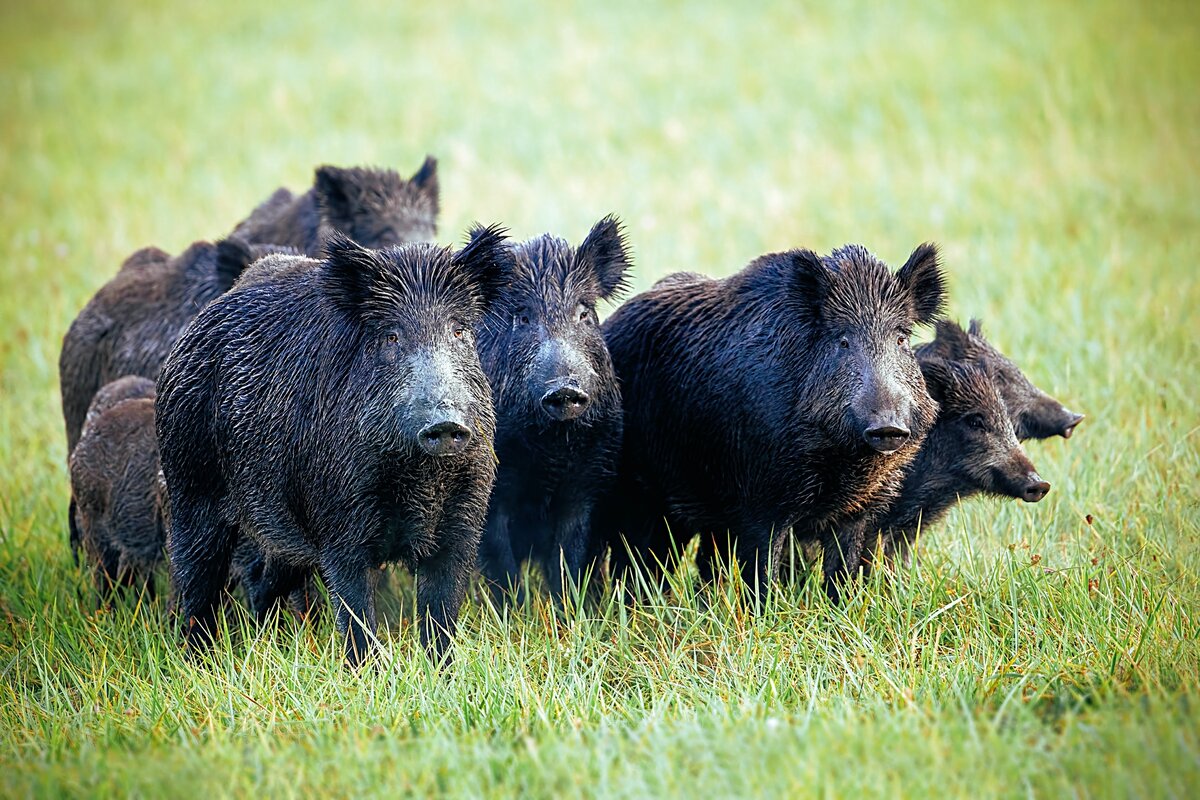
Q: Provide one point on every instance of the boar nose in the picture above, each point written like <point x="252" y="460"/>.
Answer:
<point x="1073" y="419"/>
<point x="445" y="438"/>
<point x="1035" y="488"/>
<point x="886" y="438"/>
<point x="565" y="403"/>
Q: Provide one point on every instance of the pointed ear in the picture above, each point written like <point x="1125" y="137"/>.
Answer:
<point x="336" y="196"/>
<point x="975" y="328"/>
<point x="233" y="256"/>
<point x="425" y="180"/>
<point x="922" y="278"/>
<point x="426" y="177"/>
<point x="486" y="260"/>
<point x="809" y="280"/>
<point x="606" y="252"/>
<point x="951" y="340"/>
<point x="350" y="272"/>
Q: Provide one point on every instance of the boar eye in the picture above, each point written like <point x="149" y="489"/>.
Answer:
<point x="976" y="421"/>
<point x="521" y="317"/>
<point x="584" y="314"/>
<point x="844" y="343"/>
<point x="393" y="338"/>
<point x="459" y="332"/>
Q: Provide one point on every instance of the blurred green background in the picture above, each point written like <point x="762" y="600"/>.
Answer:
<point x="1050" y="148"/>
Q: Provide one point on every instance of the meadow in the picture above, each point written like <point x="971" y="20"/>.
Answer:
<point x="1051" y="149"/>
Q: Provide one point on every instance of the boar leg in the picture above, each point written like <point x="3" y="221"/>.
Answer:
<point x="709" y="554"/>
<point x="201" y="547"/>
<point x="352" y="592"/>
<point x="842" y="552"/>
<point x="276" y="581"/>
<point x="441" y="586"/>
<point x="563" y="565"/>
<point x="106" y="575"/>
<point x="76" y="537"/>
<point x="497" y="561"/>
<point x="754" y="552"/>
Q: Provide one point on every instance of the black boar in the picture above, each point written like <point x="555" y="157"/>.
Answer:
<point x="340" y="416"/>
<point x="558" y="408"/>
<point x="116" y="495"/>
<point x="785" y="393"/>
<point x="1035" y="414"/>
<point x="131" y="323"/>
<point x="374" y="207"/>
<point x="972" y="448"/>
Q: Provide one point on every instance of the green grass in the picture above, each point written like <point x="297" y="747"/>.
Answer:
<point x="1050" y="148"/>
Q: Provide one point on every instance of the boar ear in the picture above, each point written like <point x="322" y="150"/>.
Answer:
<point x="975" y="328"/>
<point x="951" y="340"/>
<point x="606" y="251"/>
<point x="335" y="188"/>
<point x="426" y="181"/>
<point x="350" y="272"/>
<point x="486" y="259"/>
<point x="233" y="256"/>
<point x="426" y="177"/>
<point x="809" y="280"/>
<point x="922" y="278"/>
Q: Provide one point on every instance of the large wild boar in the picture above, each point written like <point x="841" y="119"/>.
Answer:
<point x="558" y="407"/>
<point x="374" y="207"/>
<point x="132" y="322"/>
<point x="339" y="415"/>
<point x="785" y="393"/>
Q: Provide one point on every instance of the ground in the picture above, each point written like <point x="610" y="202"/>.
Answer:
<point x="1049" y="148"/>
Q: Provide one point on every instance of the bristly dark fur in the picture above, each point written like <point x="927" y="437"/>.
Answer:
<point x="374" y="207"/>
<point x="116" y="496"/>
<point x="544" y="335"/>
<point x="971" y="449"/>
<point x="376" y="283"/>
<point x="1035" y="414"/>
<point x="131" y="323"/>
<point x="744" y="413"/>
<point x="288" y="413"/>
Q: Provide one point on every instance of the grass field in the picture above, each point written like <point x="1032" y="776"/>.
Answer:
<point x="1050" y="148"/>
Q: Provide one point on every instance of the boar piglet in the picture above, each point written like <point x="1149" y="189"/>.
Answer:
<point x="558" y="407"/>
<point x="1035" y="414"/>
<point x="339" y="415"/>
<point x="131" y="323"/>
<point x="787" y="392"/>
<point x="117" y="500"/>
<point x="374" y="207"/>
<point x="971" y="449"/>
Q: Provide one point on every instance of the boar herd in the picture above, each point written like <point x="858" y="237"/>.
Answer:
<point x="325" y="392"/>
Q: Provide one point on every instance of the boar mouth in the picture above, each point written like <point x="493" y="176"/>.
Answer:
<point x="565" y="403"/>
<point x="1069" y="428"/>
<point x="445" y="438"/>
<point x="886" y="438"/>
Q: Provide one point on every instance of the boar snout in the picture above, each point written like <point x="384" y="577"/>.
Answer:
<point x="1035" y="488"/>
<point x="566" y="402"/>
<point x="886" y="437"/>
<point x="446" y="437"/>
<point x="1073" y="419"/>
<point x="884" y="410"/>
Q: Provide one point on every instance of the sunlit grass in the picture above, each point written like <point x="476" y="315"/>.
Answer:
<point x="1049" y="149"/>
